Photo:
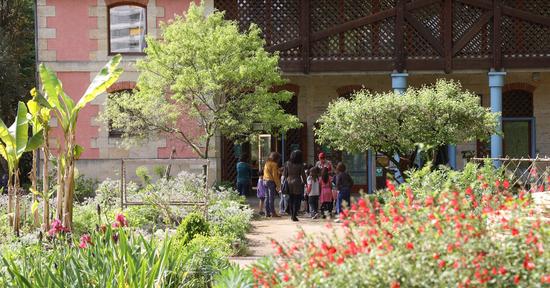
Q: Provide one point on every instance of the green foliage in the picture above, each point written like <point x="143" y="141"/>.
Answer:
<point x="204" y="258"/>
<point x="234" y="277"/>
<point x="114" y="258"/>
<point x="143" y="173"/>
<point x="84" y="188"/>
<point x="159" y="171"/>
<point x="216" y="76"/>
<point x="192" y="225"/>
<point x="421" y="119"/>
<point x="17" y="58"/>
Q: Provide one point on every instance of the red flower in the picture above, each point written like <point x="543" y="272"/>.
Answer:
<point x="516" y="279"/>
<point x="441" y="263"/>
<point x="527" y="264"/>
<point x="85" y="240"/>
<point x="502" y="271"/>
<point x="545" y="279"/>
<point x="395" y="284"/>
<point x="506" y="184"/>
<point x="410" y="245"/>
<point x="515" y="232"/>
<point x="286" y="278"/>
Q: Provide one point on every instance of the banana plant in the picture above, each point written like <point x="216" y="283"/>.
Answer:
<point x="14" y="141"/>
<point x="40" y="115"/>
<point x="66" y="112"/>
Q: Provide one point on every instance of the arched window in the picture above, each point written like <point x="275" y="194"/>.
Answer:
<point x="127" y="28"/>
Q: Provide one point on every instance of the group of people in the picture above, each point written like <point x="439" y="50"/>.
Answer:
<point x="319" y="187"/>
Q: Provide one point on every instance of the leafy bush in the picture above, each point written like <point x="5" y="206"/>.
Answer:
<point x="192" y="225"/>
<point x="230" y="219"/>
<point x="448" y="237"/>
<point x="143" y="173"/>
<point x="204" y="258"/>
<point x="84" y="188"/>
<point x="234" y="277"/>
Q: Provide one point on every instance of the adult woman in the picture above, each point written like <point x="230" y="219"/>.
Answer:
<point x="244" y="173"/>
<point x="272" y="180"/>
<point x="295" y="178"/>
<point x="344" y="182"/>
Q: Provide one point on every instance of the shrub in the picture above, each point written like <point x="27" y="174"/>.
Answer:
<point x="204" y="257"/>
<point x="192" y="225"/>
<point x="234" y="277"/>
<point x="448" y="237"/>
<point x="84" y="188"/>
<point x="143" y="173"/>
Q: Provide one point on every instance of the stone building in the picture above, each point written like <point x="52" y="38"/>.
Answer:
<point x="500" y="49"/>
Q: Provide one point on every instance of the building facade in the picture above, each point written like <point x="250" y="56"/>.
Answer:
<point x="499" y="49"/>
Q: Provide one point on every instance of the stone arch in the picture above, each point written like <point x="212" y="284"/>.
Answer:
<point x="112" y="3"/>
<point x="519" y="86"/>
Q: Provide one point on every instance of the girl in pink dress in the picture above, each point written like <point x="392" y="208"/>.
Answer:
<point x="326" y="198"/>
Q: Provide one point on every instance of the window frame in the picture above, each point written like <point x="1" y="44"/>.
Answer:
<point x="125" y="3"/>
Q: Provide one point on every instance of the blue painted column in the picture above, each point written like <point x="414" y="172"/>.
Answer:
<point x="496" y="81"/>
<point x="371" y="172"/>
<point x="399" y="86"/>
<point x="451" y="151"/>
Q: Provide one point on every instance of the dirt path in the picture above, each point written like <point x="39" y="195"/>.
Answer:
<point x="281" y="229"/>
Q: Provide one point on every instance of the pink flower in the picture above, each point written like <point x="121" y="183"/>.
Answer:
<point x="120" y="221"/>
<point x="85" y="240"/>
<point x="56" y="227"/>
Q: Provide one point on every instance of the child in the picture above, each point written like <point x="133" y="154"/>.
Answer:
<point x="283" y="203"/>
<point x="313" y="191"/>
<point x="261" y="191"/>
<point x="326" y="193"/>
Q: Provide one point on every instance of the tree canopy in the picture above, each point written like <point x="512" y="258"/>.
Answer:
<point x="421" y="119"/>
<point x="205" y="71"/>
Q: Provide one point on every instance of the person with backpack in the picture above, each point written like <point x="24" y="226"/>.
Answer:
<point x="344" y="183"/>
<point x="294" y="176"/>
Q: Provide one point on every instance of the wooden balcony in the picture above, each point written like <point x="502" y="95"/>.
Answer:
<point x="386" y="35"/>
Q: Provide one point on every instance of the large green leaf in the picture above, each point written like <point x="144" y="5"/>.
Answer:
<point x="5" y="135"/>
<point x="38" y="97"/>
<point x="105" y="78"/>
<point x="21" y="129"/>
<point x="35" y="141"/>
<point x="51" y="84"/>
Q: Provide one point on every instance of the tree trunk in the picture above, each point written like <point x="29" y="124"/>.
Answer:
<point x="69" y="192"/>
<point x="60" y="189"/>
<point x="10" y="199"/>
<point x="46" y="187"/>
<point x="36" y="217"/>
<point x="17" y="216"/>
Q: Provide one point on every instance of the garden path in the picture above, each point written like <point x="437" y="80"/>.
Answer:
<point x="281" y="229"/>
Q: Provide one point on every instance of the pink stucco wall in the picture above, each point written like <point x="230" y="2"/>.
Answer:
<point x="72" y="24"/>
<point x="173" y="7"/>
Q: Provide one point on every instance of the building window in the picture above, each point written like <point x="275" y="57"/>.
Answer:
<point x="127" y="29"/>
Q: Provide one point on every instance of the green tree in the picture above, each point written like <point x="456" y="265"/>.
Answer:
<point x="14" y="141"/>
<point x="204" y="71"/>
<point x="17" y="61"/>
<point x="66" y="111"/>
<point x="421" y="119"/>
